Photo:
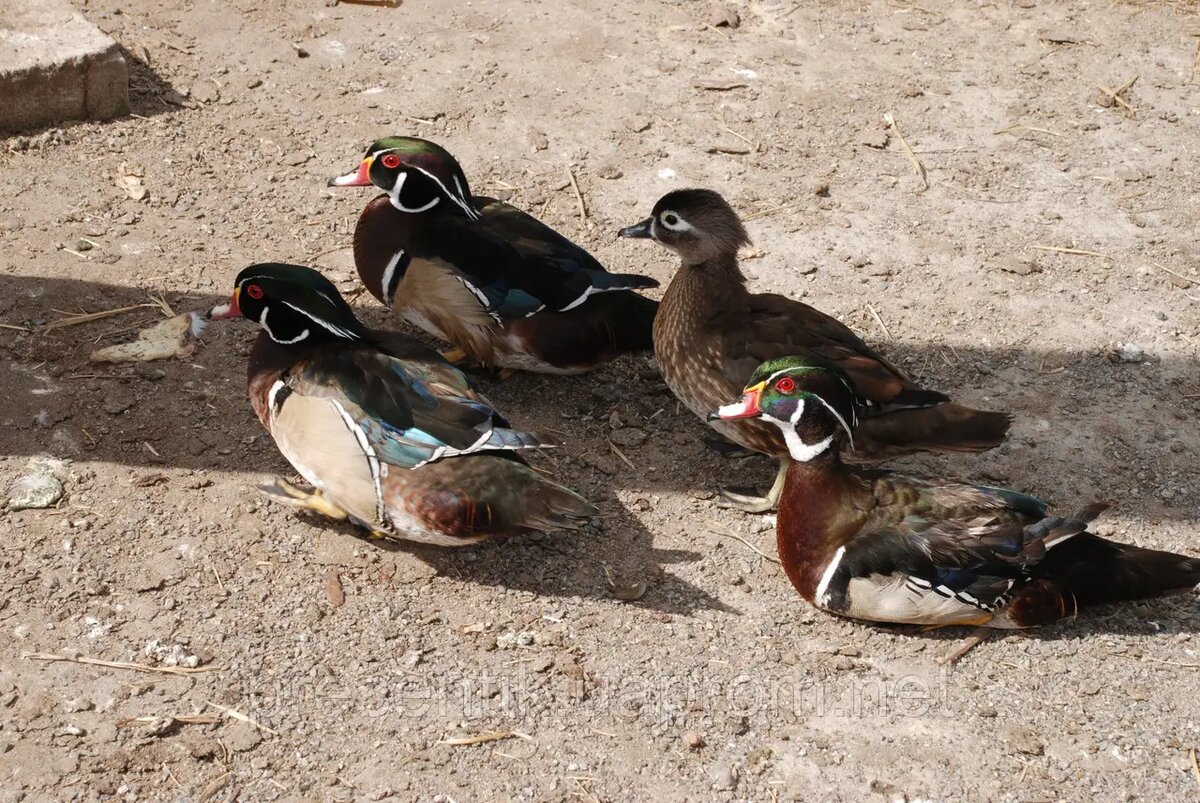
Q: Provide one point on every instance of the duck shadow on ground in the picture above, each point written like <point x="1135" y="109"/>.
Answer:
<point x="613" y="559"/>
<point x="1072" y="438"/>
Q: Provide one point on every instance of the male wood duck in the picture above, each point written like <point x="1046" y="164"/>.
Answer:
<point x="711" y="333"/>
<point x="884" y="547"/>
<point x="389" y="434"/>
<point x="504" y="288"/>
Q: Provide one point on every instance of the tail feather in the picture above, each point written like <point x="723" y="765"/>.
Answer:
<point x="606" y="326"/>
<point x="947" y="427"/>
<point x="620" y="281"/>
<point x="1094" y="570"/>
<point x="555" y="507"/>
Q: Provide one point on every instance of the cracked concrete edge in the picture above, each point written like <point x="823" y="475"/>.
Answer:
<point x="56" y="66"/>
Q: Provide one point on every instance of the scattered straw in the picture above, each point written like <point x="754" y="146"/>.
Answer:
<point x="15" y="328"/>
<point x="965" y="646"/>
<point x="181" y="671"/>
<point x="1174" y="273"/>
<point x="1195" y="766"/>
<point x="753" y="145"/>
<point x="75" y="320"/>
<point x="1015" y="127"/>
<point x="918" y="168"/>
<point x="621" y="455"/>
<point x="1060" y="250"/>
<point x="212" y="788"/>
<point x="772" y="210"/>
<point x="751" y="546"/>
<point x="184" y="719"/>
<point x="233" y="713"/>
<point x="482" y="738"/>
<point x="878" y="320"/>
<point x="583" y="211"/>
<point x="1115" y="94"/>
<point x="1191" y="78"/>
<point x="1172" y="663"/>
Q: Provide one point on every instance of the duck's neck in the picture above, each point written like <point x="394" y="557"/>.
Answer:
<point x="268" y="360"/>
<point x="710" y="284"/>
<point x="383" y="232"/>
<point x="815" y="510"/>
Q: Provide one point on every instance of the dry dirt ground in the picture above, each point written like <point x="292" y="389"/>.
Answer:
<point x="360" y="664"/>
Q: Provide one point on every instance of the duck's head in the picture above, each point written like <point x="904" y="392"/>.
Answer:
<point x="811" y="401"/>
<point x="699" y="225"/>
<point x="293" y="304"/>
<point x="418" y="176"/>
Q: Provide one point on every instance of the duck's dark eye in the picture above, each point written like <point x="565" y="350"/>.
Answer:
<point x="391" y="161"/>
<point x="670" y="219"/>
<point x="254" y="291"/>
<point x="785" y="385"/>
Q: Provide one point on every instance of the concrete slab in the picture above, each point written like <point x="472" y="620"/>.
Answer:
<point x="56" y="66"/>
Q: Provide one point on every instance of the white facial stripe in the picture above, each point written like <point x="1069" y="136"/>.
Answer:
<point x="459" y="197"/>
<point x="680" y="224"/>
<point x="797" y="448"/>
<point x="800" y="450"/>
<point x="262" y="321"/>
<point x="839" y="418"/>
<point x="389" y="275"/>
<point x="822" y="598"/>
<point x="337" y="330"/>
<point x="395" y="196"/>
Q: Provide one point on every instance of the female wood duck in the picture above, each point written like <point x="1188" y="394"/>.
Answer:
<point x="884" y="547"/>
<point x="390" y="435"/>
<point x="711" y="333"/>
<point x="504" y="288"/>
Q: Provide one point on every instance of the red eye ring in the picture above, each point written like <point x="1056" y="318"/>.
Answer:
<point x="785" y="385"/>
<point x="254" y="291"/>
<point x="391" y="161"/>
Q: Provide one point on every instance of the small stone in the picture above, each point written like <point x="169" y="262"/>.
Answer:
<point x="693" y="740"/>
<point x="73" y="730"/>
<point x="35" y="491"/>
<point x="638" y="124"/>
<point x="629" y="437"/>
<point x="610" y="172"/>
<point x="241" y="737"/>
<point x="537" y="140"/>
<point x="205" y="92"/>
<point x="1024" y="740"/>
<point x="724" y="777"/>
<point x="820" y="189"/>
<point x="1127" y="353"/>
<point x="875" y="137"/>
<point x="719" y="15"/>
<point x="333" y="589"/>
<point x="1017" y="265"/>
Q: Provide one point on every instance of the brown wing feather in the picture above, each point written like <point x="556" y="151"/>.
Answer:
<point x="770" y="326"/>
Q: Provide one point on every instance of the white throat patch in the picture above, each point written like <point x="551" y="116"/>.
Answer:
<point x="262" y="321"/>
<point x="396" y="202"/>
<point x="798" y="449"/>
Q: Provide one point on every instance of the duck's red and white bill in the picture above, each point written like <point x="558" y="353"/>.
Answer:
<point x="745" y="407"/>
<point x="359" y="178"/>
<point x="228" y="310"/>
